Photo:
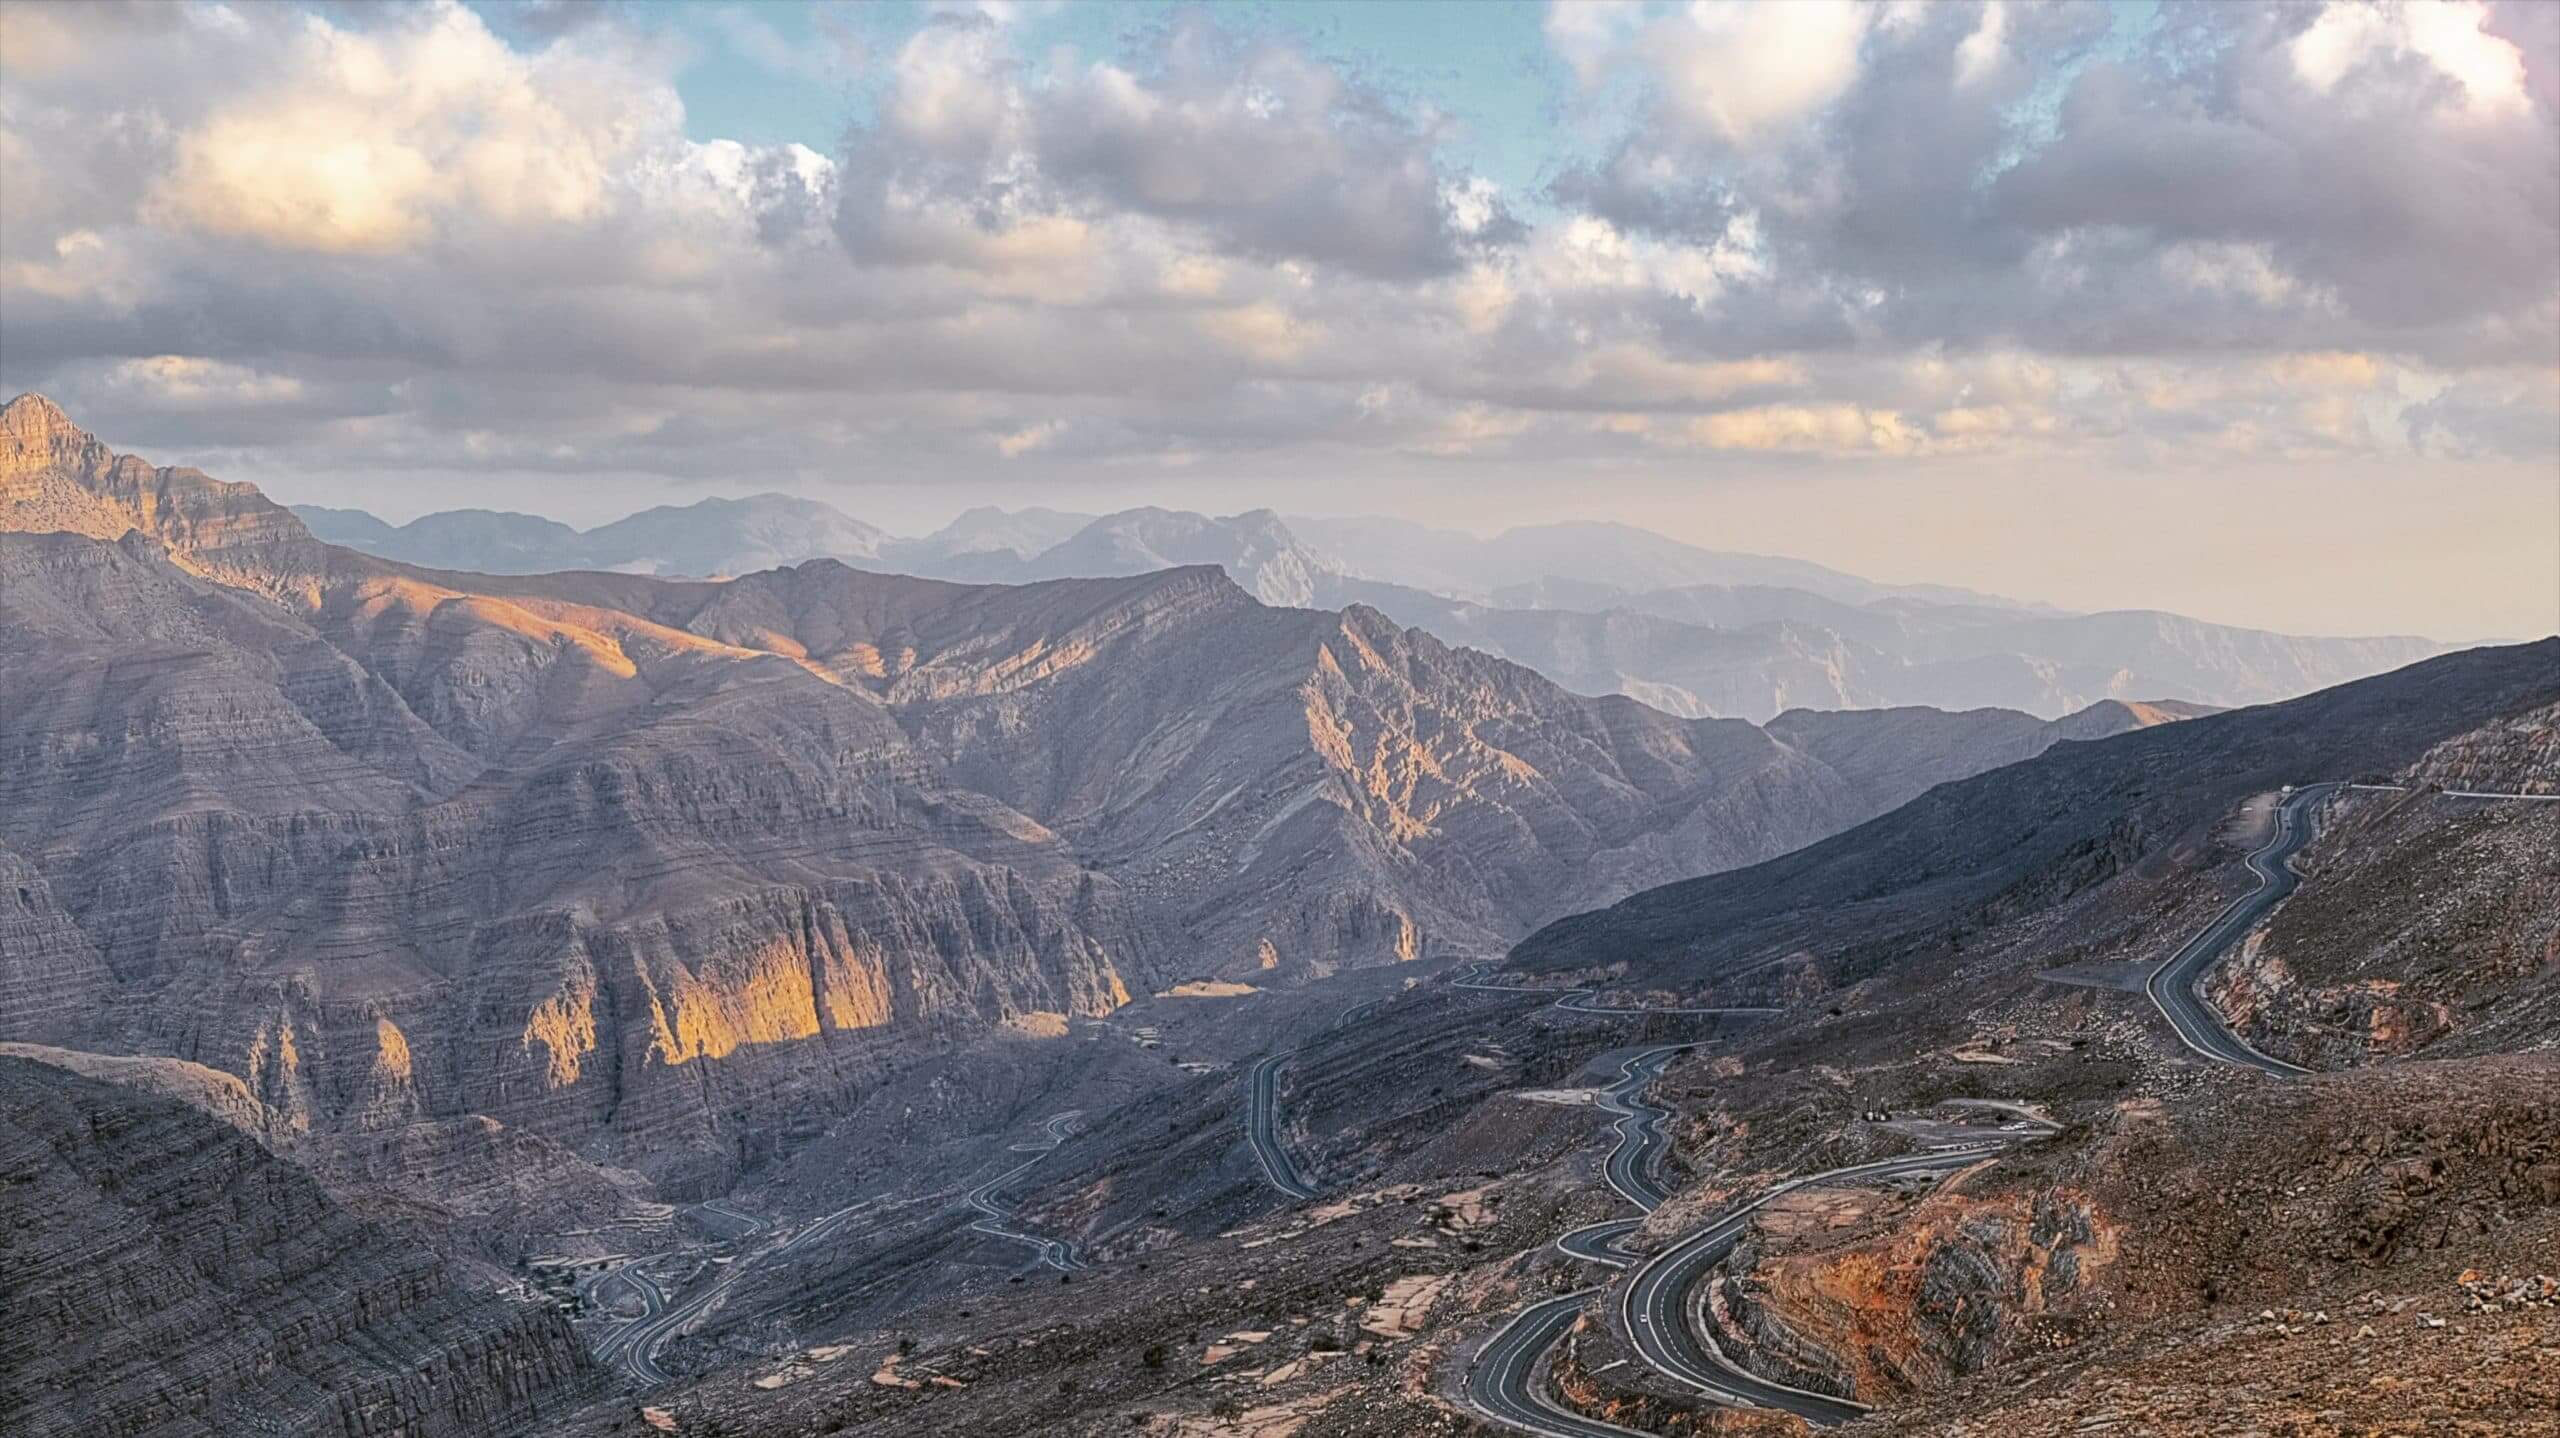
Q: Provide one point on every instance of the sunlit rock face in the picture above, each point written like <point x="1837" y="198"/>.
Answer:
<point x="390" y="849"/>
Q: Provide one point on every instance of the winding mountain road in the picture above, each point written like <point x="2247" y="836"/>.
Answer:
<point x="1641" y="1141"/>
<point x="1502" y="1383"/>
<point x="988" y="1199"/>
<point x="1654" y="1303"/>
<point x="634" y="1345"/>
<point x="2173" y="986"/>
<point x="1262" y="1112"/>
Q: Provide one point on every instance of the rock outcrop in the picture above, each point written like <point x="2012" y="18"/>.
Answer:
<point x="165" y="1275"/>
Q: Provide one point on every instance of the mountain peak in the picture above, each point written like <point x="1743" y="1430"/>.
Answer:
<point x="32" y="412"/>
<point x="36" y="438"/>
<point x="32" y="423"/>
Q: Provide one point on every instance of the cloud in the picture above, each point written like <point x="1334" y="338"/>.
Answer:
<point x="1740" y="70"/>
<point x="1998" y="174"/>
<point x="1252" y="148"/>
<point x="1773" y="234"/>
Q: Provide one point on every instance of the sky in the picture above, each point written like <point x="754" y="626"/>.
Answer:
<point x="2246" y="311"/>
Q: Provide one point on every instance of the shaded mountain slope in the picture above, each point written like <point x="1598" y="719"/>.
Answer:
<point x="2024" y="836"/>
<point x="167" y="1276"/>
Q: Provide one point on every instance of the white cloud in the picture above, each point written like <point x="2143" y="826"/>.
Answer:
<point x="369" y="139"/>
<point x="1587" y="34"/>
<point x="2451" y="35"/>
<point x="1979" y="55"/>
<point x="1741" y="69"/>
<point x="191" y="381"/>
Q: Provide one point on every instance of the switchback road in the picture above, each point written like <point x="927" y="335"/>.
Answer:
<point x="1641" y="1141"/>
<point x="988" y="1199"/>
<point x="1654" y="1305"/>
<point x="1502" y="1384"/>
<point x="2173" y="986"/>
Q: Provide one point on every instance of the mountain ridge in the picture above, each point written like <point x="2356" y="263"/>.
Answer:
<point x="1597" y="606"/>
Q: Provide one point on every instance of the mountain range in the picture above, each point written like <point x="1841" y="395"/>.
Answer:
<point x="638" y="863"/>
<point x="1599" y="608"/>
<point x="761" y="971"/>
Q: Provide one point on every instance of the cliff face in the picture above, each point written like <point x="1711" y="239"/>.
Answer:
<point x="165" y="1275"/>
<point x="392" y="850"/>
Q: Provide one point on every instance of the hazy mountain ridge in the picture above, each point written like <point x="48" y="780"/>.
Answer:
<point x="1600" y="608"/>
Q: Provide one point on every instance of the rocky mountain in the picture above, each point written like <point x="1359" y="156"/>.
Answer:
<point x="987" y="530"/>
<point x="167" y="1276"/>
<point x="1255" y="549"/>
<point x="1587" y="561"/>
<point x="460" y="918"/>
<point x="708" y="537"/>
<point x="1751" y="652"/>
<point x="644" y="866"/>
<point x="494" y="541"/>
<point x="1599" y="608"/>
<point x="2124" y="1235"/>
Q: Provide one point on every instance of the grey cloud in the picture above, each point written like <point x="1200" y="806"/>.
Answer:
<point x="2485" y="417"/>
<point x="784" y="323"/>
<point x="1267" y="154"/>
<point x="2398" y="231"/>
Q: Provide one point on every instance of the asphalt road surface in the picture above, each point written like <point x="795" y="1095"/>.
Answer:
<point x="1262" y="1112"/>
<point x="988" y="1199"/>
<point x="1654" y="1305"/>
<point x="1262" y="1129"/>
<point x="2173" y="986"/>
<point x="635" y="1344"/>
<point x="1640" y="1138"/>
<point x="1501" y="1384"/>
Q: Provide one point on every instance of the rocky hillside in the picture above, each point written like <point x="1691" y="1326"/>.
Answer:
<point x="2434" y="924"/>
<point x="2019" y="839"/>
<point x="164" y="1275"/>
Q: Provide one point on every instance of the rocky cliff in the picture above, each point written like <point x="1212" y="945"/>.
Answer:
<point x="392" y="847"/>
<point x="164" y="1275"/>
